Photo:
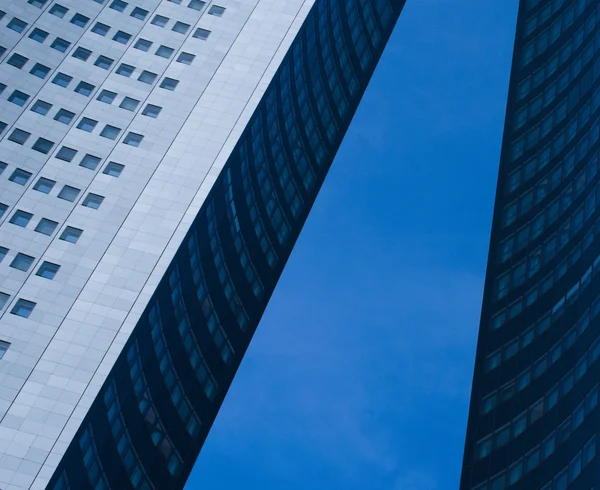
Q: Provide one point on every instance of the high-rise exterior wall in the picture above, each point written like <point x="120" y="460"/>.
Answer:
<point x="159" y="161"/>
<point x="534" y="412"/>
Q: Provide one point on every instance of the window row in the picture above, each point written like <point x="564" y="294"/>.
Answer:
<point x="23" y="262"/>
<point x="538" y="19"/>
<point x="91" y="459"/>
<point x="22" y="308"/>
<point x="45" y="226"/>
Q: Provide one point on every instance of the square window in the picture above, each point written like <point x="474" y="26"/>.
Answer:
<point x="3" y="208"/>
<point x="106" y="96"/>
<point x="3" y="345"/>
<point x="23" y="308"/>
<point x="122" y="37"/>
<point x="164" y="52"/>
<point x="216" y="10"/>
<point x="147" y="77"/>
<point x="71" y="234"/>
<point x="20" y="176"/>
<point x="19" y="136"/>
<point x="80" y="20"/>
<point x="3" y="252"/>
<point x="129" y="104"/>
<point x="113" y="169"/>
<point x="40" y="71"/>
<point x="118" y="5"/>
<point x="18" y="98"/>
<point x="64" y="116"/>
<point x="85" y="88"/>
<point x="178" y="2"/>
<point x="100" y="29"/>
<point x="125" y="70"/>
<point x="66" y="154"/>
<point x="68" y="193"/>
<point x="22" y="262"/>
<point x="60" y="44"/>
<point x="44" y="185"/>
<point x="160" y="20"/>
<point x="152" y="111"/>
<point x="62" y="80"/>
<point x="46" y="226"/>
<point x="3" y="167"/>
<point x="143" y="44"/>
<point x="17" y="61"/>
<point x="133" y="139"/>
<point x="89" y="161"/>
<point x="2" y="50"/>
<point x="139" y="13"/>
<point x="2" y="85"/>
<point x="81" y="53"/>
<point x="186" y="58"/>
<point x="201" y="34"/>
<point x="110" y="132"/>
<point x="21" y="218"/>
<point x="17" y="25"/>
<point x="196" y="4"/>
<point x="58" y="10"/>
<point x="104" y="62"/>
<point x="37" y="3"/>
<point x="87" y="124"/>
<point x="181" y="27"/>
<point x="38" y="35"/>
<point x="47" y="270"/>
<point x="43" y="145"/>
<point x="169" y="83"/>
<point x="92" y="201"/>
<point x="41" y="107"/>
<point x="3" y="126"/>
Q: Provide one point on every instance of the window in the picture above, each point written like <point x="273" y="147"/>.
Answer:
<point x="100" y="29"/>
<point x="201" y="34"/>
<point x="21" y="218"/>
<point x="58" y="10"/>
<point x="181" y="27"/>
<point x="3" y="345"/>
<point x="139" y="13"/>
<point x="87" y="124"/>
<point x="22" y="262"/>
<point x="186" y="58"/>
<point x="85" y="88"/>
<point x="169" y="83"/>
<point x="71" y="234"/>
<point x="164" y="52"/>
<point x="106" y="96"/>
<point x="118" y="5"/>
<point x="40" y="71"/>
<point x="64" y="116"/>
<point x="41" y="107"/>
<point x="110" y="132"/>
<point x="17" y="25"/>
<point x="44" y="185"/>
<point x="113" y="169"/>
<point x="47" y="270"/>
<point x="81" y="53"/>
<point x="129" y="104"/>
<point x="92" y="201"/>
<point x="125" y="70"/>
<point x="80" y="20"/>
<point x="104" y="62"/>
<point x="17" y="61"/>
<point x="89" y="161"/>
<point x="66" y="154"/>
<point x="151" y="110"/>
<point x="18" y="98"/>
<point x="62" y="80"/>
<point x="216" y="10"/>
<point x="20" y="176"/>
<point x="19" y="136"/>
<point x="3" y="252"/>
<point x="60" y="44"/>
<point x="2" y="85"/>
<point x="37" y="3"/>
<point x="68" y="193"/>
<point x="196" y="4"/>
<point x="3" y="126"/>
<point x="3" y="167"/>
<point x="142" y="44"/>
<point x="43" y="145"/>
<point x="38" y="35"/>
<point x="3" y="208"/>
<point x="147" y="77"/>
<point x="122" y="37"/>
<point x="23" y="308"/>
<point x="160" y="20"/>
<point x="133" y="139"/>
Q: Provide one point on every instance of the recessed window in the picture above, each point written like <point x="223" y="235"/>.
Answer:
<point x="17" y="25"/>
<point x="47" y="270"/>
<point x="196" y="4"/>
<point x="18" y="97"/>
<point x="3" y="126"/>
<point x="87" y="124"/>
<point x="46" y="226"/>
<point x="118" y="5"/>
<point x="216" y="10"/>
<point x="19" y="136"/>
<point x="38" y="35"/>
<point x="178" y="2"/>
<point x="100" y="29"/>
<point x="186" y="58"/>
<point x="110" y="132"/>
<point x="20" y="176"/>
<point x="80" y="20"/>
<point x="125" y="70"/>
<point x="147" y="77"/>
<point x="3" y="208"/>
<point x="104" y="62"/>
<point x="181" y="27"/>
<point x="2" y="85"/>
<point x="22" y="262"/>
<point x="201" y="34"/>
<point x="3" y="167"/>
<point x="60" y="44"/>
<point x="58" y="10"/>
<point x="62" y="80"/>
<point x="113" y="169"/>
<point x="142" y="44"/>
<point x="3" y="252"/>
<point x="66" y="154"/>
<point x="85" y="88"/>
<point x="44" y="185"/>
<point x="68" y="193"/>
<point x="71" y="234"/>
<point x="21" y="218"/>
<point x="122" y="37"/>
<point x="92" y="201"/>
<point x="164" y="52"/>
<point x="160" y="20"/>
<point x="133" y="139"/>
<point x="3" y="345"/>
<point x="2" y="50"/>
<point x="37" y="3"/>
<point x="89" y="161"/>
<point x="40" y="71"/>
<point x="17" y="61"/>
<point x="129" y="104"/>
<point x="2" y="14"/>
<point x="43" y="145"/>
<point x="64" y="116"/>
<point x="139" y="13"/>
<point x="23" y="308"/>
<point x="151" y="110"/>
<point x="41" y="107"/>
<point x="106" y="96"/>
<point x="169" y="83"/>
<point x="81" y="53"/>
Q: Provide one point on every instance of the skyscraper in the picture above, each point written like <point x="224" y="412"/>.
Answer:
<point x="534" y="413"/>
<point x="158" y="161"/>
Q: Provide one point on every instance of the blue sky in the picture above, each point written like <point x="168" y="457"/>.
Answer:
<point x="359" y="374"/>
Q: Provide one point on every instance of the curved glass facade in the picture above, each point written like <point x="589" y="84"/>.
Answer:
<point x="147" y="425"/>
<point x="533" y="418"/>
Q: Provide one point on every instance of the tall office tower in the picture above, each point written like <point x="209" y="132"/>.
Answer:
<point x="534" y="415"/>
<point x="159" y="159"/>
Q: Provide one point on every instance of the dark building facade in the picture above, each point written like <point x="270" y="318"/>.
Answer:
<point x="146" y="427"/>
<point x="534" y="413"/>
